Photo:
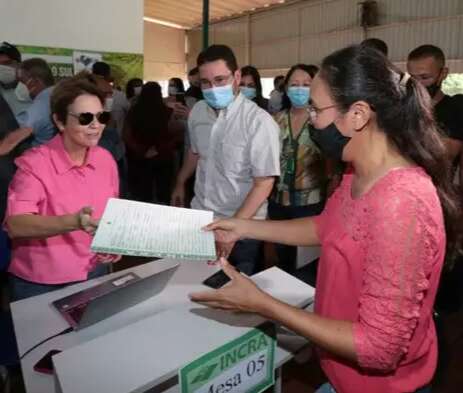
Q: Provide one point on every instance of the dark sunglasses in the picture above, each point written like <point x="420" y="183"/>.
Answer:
<point x="86" y="118"/>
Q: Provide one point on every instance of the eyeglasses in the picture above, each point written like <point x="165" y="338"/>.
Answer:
<point x="314" y="111"/>
<point x="217" y="81"/>
<point x="86" y="118"/>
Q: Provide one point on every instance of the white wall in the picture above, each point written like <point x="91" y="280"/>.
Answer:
<point x="164" y="52"/>
<point x="99" y="25"/>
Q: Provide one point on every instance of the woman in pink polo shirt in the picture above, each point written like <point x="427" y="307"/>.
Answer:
<point x="382" y="233"/>
<point x="59" y="190"/>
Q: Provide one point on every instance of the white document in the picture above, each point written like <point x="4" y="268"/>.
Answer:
<point x="145" y="229"/>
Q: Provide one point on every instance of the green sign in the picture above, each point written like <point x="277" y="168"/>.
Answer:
<point x="59" y="59"/>
<point x="245" y="365"/>
<point x="63" y="61"/>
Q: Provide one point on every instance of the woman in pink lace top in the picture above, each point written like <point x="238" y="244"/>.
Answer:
<point x="383" y="232"/>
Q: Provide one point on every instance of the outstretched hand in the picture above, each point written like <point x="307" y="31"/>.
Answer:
<point x="240" y="294"/>
<point x="227" y="230"/>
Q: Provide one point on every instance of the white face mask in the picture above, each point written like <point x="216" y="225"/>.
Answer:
<point x="108" y="104"/>
<point x="7" y="74"/>
<point x="137" y="90"/>
<point x="22" y="92"/>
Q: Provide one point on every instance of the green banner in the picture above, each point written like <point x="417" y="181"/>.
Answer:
<point x="64" y="62"/>
<point x="245" y="365"/>
<point x="124" y="66"/>
<point x="59" y="59"/>
<point x="41" y="50"/>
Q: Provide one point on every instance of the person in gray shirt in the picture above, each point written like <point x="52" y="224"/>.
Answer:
<point x="234" y="151"/>
<point x="36" y="79"/>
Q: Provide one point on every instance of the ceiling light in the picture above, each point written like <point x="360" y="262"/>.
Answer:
<point x="165" y="23"/>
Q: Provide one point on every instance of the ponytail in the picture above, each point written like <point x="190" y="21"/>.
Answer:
<point x="422" y="142"/>
<point x="404" y="113"/>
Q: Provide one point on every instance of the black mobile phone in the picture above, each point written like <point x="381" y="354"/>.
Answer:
<point x="45" y="365"/>
<point x="217" y="280"/>
<point x="180" y="97"/>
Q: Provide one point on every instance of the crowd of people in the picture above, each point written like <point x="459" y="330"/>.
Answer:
<point x="353" y="155"/>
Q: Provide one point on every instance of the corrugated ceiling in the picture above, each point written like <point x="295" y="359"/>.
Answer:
<point x="188" y="13"/>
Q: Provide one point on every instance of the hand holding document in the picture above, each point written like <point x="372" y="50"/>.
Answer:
<point x="145" y="229"/>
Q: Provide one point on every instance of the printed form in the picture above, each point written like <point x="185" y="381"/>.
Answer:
<point x="149" y="230"/>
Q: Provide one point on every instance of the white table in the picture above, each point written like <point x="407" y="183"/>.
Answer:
<point x="34" y="320"/>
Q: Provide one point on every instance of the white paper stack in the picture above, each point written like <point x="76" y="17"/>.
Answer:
<point x="149" y="230"/>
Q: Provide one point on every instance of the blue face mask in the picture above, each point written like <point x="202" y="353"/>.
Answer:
<point x="299" y="96"/>
<point x="249" y="92"/>
<point x="219" y="97"/>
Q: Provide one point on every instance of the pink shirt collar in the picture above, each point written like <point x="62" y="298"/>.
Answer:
<point x="61" y="160"/>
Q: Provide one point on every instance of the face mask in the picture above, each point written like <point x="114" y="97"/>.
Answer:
<point x="7" y="74"/>
<point x="249" y="92"/>
<point x="137" y="90"/>
<point x="108" y="104"/>
<point x="172" y="90"/>
<point x="299" y="96"/>
<point x="433" y="89"/>
<point x="22" y="92"/>
<point x="330" y="141"/>
<point x="219" y="97"/>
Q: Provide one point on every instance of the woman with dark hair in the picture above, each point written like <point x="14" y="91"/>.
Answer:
<point x="251" y="86"/>
<point x="175" y="87"/>
<point x="176" y="99"/>
<point x="300" y="190"/>
<point x="133" y="88"/>
<point x="150" y="146"/>
<point x="59" y="191"/>
<point x="297" y="86"/>
<point x="383" y="233"/>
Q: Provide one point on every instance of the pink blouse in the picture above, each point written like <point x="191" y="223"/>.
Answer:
<point x="382" y="255"/>
<point x="48" y="183"/>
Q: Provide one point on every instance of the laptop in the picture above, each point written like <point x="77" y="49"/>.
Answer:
<point x="94" y="304"/>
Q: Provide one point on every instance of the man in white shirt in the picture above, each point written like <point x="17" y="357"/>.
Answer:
<point x="234" y="151"/>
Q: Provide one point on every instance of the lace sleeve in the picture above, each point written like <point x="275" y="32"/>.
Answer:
<point x="398" y="260"/>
